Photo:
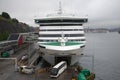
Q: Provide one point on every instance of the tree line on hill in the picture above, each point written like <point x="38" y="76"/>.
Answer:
<point x="11" y="25"/>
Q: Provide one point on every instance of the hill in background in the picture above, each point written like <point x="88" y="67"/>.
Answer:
<point x="12" y="25"/>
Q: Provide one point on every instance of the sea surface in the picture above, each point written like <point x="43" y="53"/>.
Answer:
<point x="106" y="50"/>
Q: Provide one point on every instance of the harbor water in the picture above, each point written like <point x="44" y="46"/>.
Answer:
<point x="106" y="50"/>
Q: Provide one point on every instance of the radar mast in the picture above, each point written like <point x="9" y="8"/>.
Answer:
<point x="60" y="8"/>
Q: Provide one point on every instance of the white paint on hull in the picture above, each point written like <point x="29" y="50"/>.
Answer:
<point x="49" y="56"/>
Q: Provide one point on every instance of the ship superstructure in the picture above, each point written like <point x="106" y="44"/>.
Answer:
<point x="61" y="37"/>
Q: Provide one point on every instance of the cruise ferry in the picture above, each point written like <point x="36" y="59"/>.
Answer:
<point x="61" y="37"/>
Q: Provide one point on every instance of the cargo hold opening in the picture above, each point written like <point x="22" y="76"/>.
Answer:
<point x="63" y="58"/>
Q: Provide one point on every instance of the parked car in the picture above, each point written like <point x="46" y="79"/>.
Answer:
<point x="25" y="57"/>
<point x="26" y="70"/>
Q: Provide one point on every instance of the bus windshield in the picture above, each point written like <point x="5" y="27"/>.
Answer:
<point x="54" y="71"/>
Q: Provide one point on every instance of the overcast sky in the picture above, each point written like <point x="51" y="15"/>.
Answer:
<point x="101" y="13"/>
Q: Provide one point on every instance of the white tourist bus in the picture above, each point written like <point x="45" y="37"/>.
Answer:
<point x="58" y="69"/>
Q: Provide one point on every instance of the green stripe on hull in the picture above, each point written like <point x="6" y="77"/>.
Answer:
<point x="69" y="43"/>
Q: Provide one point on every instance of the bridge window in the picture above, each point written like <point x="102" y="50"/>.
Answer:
<point x="62" y="30"/>
<point x="59" y="35"/>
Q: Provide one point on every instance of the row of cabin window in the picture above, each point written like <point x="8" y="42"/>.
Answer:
<point x="57" y="40"/>
<point x="61" y="20"/>
<point x="59" y="35"/>
<point x="62" y="30"/>
<point x="61" y="24"/>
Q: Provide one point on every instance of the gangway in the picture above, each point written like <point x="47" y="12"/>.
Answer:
<point x="6" y="43"/>
<point x="14" y="41"/>
<point x="18" y="39"/>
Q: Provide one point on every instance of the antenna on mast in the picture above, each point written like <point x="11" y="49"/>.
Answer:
<point x="60" y="8"/>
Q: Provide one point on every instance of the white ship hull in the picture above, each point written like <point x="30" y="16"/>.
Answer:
<point x="51" y="59"/>
<point x="51" y="55"/>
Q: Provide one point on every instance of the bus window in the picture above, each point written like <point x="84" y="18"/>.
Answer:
<point x="58" y="69"/>
<point x="54" y="71"/>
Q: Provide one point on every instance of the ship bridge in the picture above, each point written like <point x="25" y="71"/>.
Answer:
<point x="60" y="21"/>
